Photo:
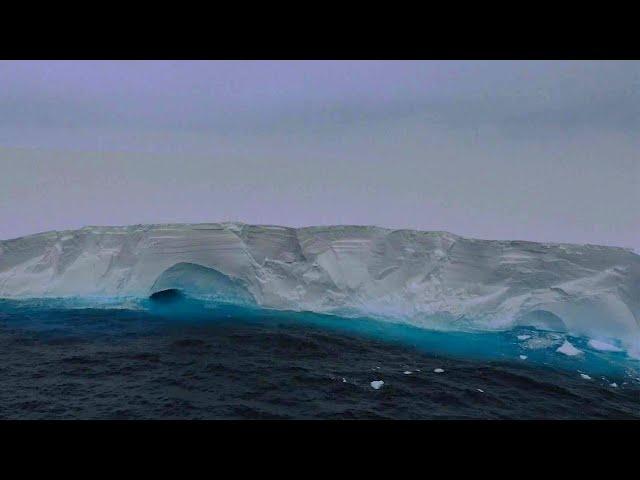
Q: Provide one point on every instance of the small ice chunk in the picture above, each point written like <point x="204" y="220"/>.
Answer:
<point x="344" y="380"/>
<point x="568" y="349"/>
<point x="407" y="372"/>
<point x="585" y="376"/>
<point x="524" y="337"/>
<point x="480" y="390"/>
<point x="438" y="370"/>
<point x="603" y="346"/>
<point x="523" y="357"/>
<point x="614" y="385"/>
<point x="537" y="343"/>
<point x="377" y="384"/>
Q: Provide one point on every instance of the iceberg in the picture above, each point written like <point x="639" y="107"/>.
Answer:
<point x="568" y="349"/>
<point x="603" y="346"/>
<point x="425" y="279"/>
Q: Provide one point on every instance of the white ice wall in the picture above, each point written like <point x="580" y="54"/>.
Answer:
<point x="402" y="275"/>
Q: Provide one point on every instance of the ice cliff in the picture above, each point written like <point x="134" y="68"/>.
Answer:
<point x="432" y="279"/>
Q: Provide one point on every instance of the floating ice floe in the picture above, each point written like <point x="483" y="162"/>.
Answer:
<point x="547" y="340"/>
<point x="568" y="349"/>
<point x="614" y="385"/>
<point x="480" y="390"/>
<point x="585" y="376"/>
<point x="603" y="346"/>
<point x="407" y="372"/>
<point x="344" y="380"/>
<point x="377" y="384"/>
<point x="524" y="337"/>
<point x="523" y="357"/>
<point x="438" y="370"/>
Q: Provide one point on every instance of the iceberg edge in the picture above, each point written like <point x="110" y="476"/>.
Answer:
<point x="426" y="279"/>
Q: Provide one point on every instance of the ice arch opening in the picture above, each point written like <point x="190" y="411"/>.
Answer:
<point x="543" y="320"/>
<point x="198" y="281"/>
<point x="167" y="296"/>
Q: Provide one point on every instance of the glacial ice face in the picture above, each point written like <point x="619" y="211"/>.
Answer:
<point x="433" y="279"/>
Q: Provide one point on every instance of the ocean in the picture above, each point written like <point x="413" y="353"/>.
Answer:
<point x="61" y="359"/>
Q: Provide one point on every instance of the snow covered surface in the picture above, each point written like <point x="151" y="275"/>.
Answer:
<point x="427" y="279"/>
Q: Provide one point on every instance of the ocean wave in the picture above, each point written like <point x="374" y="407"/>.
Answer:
<point x="520" y="344"/>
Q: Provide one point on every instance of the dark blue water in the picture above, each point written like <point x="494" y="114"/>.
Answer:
<point x="62" y="359"/>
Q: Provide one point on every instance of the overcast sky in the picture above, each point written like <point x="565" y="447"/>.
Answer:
<point x="546" y="151"/>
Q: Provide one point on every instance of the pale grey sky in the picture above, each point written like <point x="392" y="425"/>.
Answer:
<point x="545" y="151"/>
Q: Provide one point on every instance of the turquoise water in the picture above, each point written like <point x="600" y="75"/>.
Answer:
<point x="540" y="348"/>
<point x="131" y="358"/>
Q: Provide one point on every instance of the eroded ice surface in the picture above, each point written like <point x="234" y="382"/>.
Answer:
<point x="427" y="279"/>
